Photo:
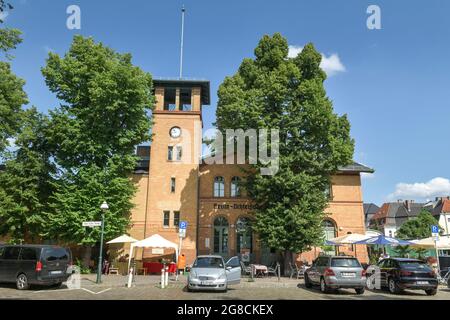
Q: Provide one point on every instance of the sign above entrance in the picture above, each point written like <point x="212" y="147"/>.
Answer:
<point x="236" y="206"/>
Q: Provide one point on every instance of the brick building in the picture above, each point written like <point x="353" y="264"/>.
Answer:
<point x="175" y="184"/>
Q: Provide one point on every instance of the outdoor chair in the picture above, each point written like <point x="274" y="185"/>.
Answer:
<point x="246" y="269"/>
<point x="273" y="269"/>
<point x="296" y="271"/>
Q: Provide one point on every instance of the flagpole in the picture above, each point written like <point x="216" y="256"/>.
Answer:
<point x="183" y="10"/>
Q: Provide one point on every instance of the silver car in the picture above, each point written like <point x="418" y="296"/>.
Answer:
<point x="334" y="272"/>
<point x="212" y="273"/>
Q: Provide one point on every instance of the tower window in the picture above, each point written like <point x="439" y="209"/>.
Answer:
<point x="186" y="99"/>
<point x="176" y="218"/>
<point x="179" y="152"/>
<point x="170" y="153"/>
<point x="170" y="99"/>
<point x="166" y="219"/>
<point x="172" y="185"/>
<point x="219" y="187"/>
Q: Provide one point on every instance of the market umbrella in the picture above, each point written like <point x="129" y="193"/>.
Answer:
<point x="442" y="244"/>
<point x="384" y="241"/>
<point x="122" y="239"/>
<point x="347" y="239"/>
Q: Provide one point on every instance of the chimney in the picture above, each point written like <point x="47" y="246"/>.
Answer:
<point x="408" y="205"/>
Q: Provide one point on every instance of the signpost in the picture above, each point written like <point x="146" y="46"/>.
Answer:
<point x="435" y="235"/>
<point x="182" y="234"/>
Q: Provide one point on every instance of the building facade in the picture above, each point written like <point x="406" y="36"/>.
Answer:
<point x="175" y="184"/>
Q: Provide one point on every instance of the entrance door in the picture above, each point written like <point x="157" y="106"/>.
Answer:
<point x="221" y="236"/>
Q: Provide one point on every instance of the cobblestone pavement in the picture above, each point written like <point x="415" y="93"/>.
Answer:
<point x="147" y="288"/>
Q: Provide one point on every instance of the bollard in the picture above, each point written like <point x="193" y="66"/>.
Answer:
<point x="130" y="277"/>
<point x="163" y="281"/>
<point x="167" y="277"/>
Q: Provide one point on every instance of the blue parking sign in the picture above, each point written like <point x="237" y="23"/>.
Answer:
<point x="183" y="224"/>
<point x="434" y="229"/>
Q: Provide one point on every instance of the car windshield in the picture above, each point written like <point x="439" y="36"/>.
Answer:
<point x="208" y="262"/>
<point x="345" y="263"/>
<point x="413" y="265"/>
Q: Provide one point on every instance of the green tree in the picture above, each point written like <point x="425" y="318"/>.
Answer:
<point x="12" y="95"/>
<point x="273" y="91"/>
<point x="25" y="181"/>
<point x="103" y="116"/>
<point x="417" y="228"/>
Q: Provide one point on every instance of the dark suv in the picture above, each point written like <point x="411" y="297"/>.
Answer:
<point x="34" y="264"/>
<point x="398" y="274"/>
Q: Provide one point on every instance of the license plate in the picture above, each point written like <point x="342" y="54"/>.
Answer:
<point x="206" y="283"/>
<point x="56" y="272"/>
<point x="422" y="282"/>
<point x="348" y="274"/>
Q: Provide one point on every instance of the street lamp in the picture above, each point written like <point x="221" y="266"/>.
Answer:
<point x="104" y="208"/>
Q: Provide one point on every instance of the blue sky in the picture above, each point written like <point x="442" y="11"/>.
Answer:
<point x="393" y="83"/>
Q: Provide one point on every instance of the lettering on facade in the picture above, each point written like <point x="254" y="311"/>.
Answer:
<point x="236" y="206"/>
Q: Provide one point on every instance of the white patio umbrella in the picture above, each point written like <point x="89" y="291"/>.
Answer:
<point x="122" y="239"/>
<point x="442" y="244"/>
<point x="348" y="239"/>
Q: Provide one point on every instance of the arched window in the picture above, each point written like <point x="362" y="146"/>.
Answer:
<point x="329" y="229"/>
<point x="244" y="233"/>
<point x="235" y="187"/>
<point x="221" y="236"/>
<point x="219" y="187"/>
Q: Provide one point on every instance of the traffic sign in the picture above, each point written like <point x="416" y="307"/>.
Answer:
<point x="182" y="233"/>
<point x="435" y="230"/>
<point x="92" y="224"/>
<point x="183" y="225"/>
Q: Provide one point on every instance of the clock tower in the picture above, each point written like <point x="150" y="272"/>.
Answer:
<point x="174" y="161"/>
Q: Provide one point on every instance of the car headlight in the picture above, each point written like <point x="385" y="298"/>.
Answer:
<point x="192" y="275"/>
<point x="223" y="276"/>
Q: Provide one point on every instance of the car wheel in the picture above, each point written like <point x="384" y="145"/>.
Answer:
<point x="431" y="292"/>
<point x="359" y="290"/>
<point x="323" y="286"/>
<point x="393" y="287"/>
<point x="308" y="283"/>
<point x="22" y="282"/>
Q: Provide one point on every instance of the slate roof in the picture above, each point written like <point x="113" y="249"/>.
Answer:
<point x="370" y="209"/>
<point x="396" y="213"/>
<point x="356" y="167"/>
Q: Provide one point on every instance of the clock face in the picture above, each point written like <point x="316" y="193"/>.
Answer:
<point x="175" y="132"/>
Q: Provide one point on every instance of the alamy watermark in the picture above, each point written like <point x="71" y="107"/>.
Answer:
<point x="231" y="146"/>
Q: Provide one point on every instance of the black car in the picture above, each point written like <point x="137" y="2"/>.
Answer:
<point x="398" y="274"/>
<point x="34" y="265"/>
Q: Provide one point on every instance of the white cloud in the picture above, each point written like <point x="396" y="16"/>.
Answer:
<point x="331" y="64"/>
<point x="4" y="15"/>
<point x="294" y="51"/>
<point x="434" y="188"/>
<point x="367" y="175"/>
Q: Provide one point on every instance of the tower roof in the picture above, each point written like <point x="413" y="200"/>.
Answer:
<point x="186" y="83"/>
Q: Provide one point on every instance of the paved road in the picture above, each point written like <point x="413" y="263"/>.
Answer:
<point x="177" y="291"/>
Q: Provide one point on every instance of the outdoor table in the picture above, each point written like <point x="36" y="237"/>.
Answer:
<point x="260" y="270"/>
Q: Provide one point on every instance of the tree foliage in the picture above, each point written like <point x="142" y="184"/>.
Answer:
<point x="273" y="91"/>
<point x="25" y="181"/>
<point x="417" y="228"/>
<point x="103" y="116"/>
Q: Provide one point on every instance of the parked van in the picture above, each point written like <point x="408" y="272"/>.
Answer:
<point x="34" y="265"/>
